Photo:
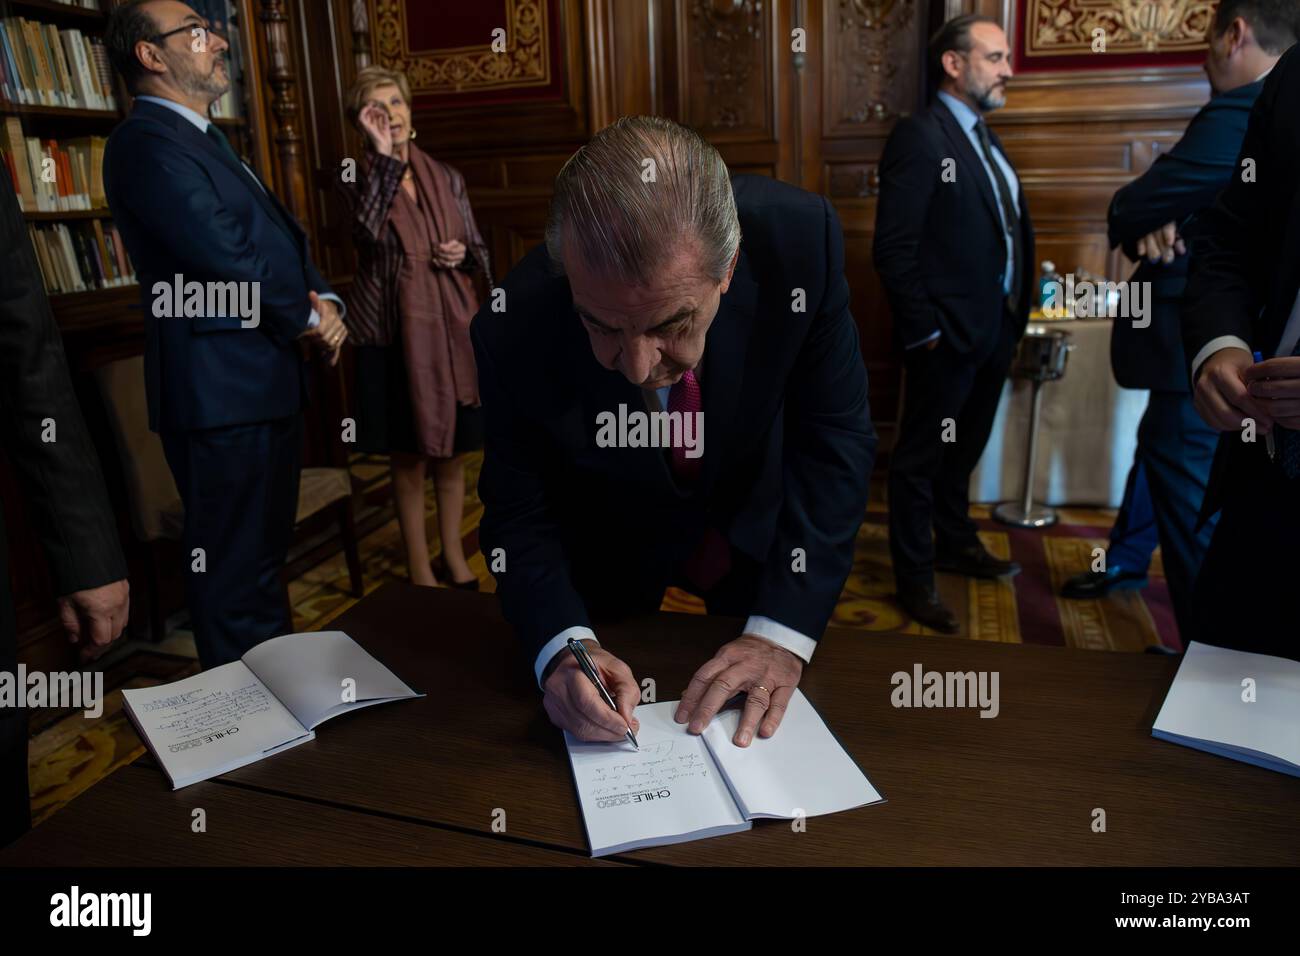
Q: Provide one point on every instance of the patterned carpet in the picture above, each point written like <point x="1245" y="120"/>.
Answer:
<point x="69" y="753"/>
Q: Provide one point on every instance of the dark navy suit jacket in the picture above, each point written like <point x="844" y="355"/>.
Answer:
<point x="788" y="440"/>
<point x="1245" y="269"/>
<point x="940" y="248"/>
<point x="184" y="205"/>
<point x="1179" y="185"/>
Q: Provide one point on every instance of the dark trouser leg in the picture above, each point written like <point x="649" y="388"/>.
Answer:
<point x="1133" y="536"/>
<point x="15" y="805"/>
<point x="953" y="527"/>
<point x="1176" y="449"/>
<point x="937" y="386"/>
<point x="239" y="485"/>
<point x="1246" y="596"/>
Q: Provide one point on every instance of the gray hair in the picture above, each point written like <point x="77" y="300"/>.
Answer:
<point x="629" y="198"/>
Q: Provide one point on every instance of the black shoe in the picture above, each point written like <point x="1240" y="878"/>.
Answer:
<point x="1095" y="584"/>
<point x="922" y="603"/>
<point x="444" y="576"/>
<point x="974" y="562"/>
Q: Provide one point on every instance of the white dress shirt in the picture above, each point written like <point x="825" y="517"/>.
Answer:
<point x="202" y="123"/>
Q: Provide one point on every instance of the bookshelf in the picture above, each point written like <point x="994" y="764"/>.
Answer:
<point x="243" y="121"/>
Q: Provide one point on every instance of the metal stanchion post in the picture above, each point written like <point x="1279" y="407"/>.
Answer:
<point x="1041" y="358"/>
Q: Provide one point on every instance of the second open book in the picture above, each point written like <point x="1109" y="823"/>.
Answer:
<point x="271" y="699"/>
<point x="681" y="787"/>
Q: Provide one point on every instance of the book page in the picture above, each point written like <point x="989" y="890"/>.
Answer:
<point x="1206" y="702"/>
<point x="307" y="672"/>
<point x="211" y="722"/>
<point x="801" y="769"/>
<point x="667" y="792"/>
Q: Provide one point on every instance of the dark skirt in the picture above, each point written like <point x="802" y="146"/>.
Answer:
<point x="385" y="418"/>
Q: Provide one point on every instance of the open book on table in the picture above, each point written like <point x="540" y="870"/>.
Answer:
<point x="269" y="700"/>
<point x="681" y="787"/>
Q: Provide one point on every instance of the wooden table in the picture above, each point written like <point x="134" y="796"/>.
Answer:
<point x="421" y="781"/>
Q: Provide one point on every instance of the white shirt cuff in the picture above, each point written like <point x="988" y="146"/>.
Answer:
<point x="558" y="643"/>
<point x="331" y="297"/>
<point x="313" y="320"/>
<point x="800" y="645"/>
<point x="929" y="338"/>
<point x="1217" y="345"/>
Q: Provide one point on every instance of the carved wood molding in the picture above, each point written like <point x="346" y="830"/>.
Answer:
<point x="728" y="72"/>
<point x="360" y="34"/>
<point x="872" y="68"/>
<point x="289" y="158"/>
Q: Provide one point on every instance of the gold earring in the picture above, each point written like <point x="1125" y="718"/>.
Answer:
<point x="413" y="133"/>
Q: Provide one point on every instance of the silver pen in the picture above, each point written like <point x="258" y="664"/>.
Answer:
<point x="588" y="666"/>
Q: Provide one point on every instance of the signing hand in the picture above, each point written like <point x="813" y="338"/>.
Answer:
<point x="573" y="703"/>
<point x="95" y="617"/>
<point x="766" y="673"/>
<point x="375" y="121"/>
<point x="449" y="254"/>
<point x="330" y="332"/>
<point x="1275" y="386"/>
<point x="1221" y="396"/>
<point x="1162" y="245"/>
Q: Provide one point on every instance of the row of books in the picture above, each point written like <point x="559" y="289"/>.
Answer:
<point x="79" y="256"/>
<point x="49" y="177"/>
<point x="41" y="65"/>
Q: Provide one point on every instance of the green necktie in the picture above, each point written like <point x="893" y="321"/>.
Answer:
<point x="215" y="134"/>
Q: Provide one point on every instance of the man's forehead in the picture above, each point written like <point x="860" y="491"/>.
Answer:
<point x="169" y="11"/>
<point x="988" y="38"/>
<point x="635" y="304"/>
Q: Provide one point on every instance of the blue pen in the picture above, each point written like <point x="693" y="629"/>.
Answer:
<point x="1268" y="439"/>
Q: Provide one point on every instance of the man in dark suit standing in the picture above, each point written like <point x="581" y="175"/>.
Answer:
<point x="955" y="251"/>
<point x="225" y="384"/>
<point x="63" y="492"/>
<point x="1242" y="298"/>
<point x="1149" y="219"/>
<point x="686" y="299"/>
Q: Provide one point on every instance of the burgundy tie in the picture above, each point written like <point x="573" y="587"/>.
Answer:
<point x="684" y="397"/>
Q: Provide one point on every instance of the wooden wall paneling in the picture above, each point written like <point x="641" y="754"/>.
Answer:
<point x="726" y="54"/>
<point x="866" y="73"/>
<point x="288" y="162"/>
<point x="359" y="21"/>
<point x="325" y="55"/>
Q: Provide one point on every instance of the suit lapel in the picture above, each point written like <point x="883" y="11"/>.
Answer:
<point x="201" y="141"/>
<point x="952" y="129"/>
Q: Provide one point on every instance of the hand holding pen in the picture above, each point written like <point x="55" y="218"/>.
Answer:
<point x="574" y="702"/>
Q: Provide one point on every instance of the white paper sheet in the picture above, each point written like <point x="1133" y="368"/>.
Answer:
<point x="668" y="792"/>
<point x="801" y="769"/>
<point x="1205" y="708"/>
<point x="307" y="673"/>
<point x="212" y="722"/>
